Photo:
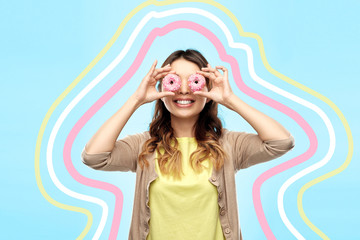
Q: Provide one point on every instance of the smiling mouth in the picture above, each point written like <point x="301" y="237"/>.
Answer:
<point x="184" y="102"/>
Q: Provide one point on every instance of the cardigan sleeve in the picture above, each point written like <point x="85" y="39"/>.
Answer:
<point x="123" y="157"/>
<point x="248" y="149"/>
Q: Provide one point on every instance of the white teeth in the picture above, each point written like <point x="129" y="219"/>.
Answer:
<point x="183" y="102"/>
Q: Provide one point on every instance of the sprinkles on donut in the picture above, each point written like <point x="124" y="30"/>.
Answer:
<point x="196" y="82"/>
<point x="171" y="82"/>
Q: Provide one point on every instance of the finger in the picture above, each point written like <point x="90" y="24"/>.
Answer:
<point x="152" y="69"/>
<point x="166" y="68"/>
<point x="153" y="66"/>
<point x="203" y="94"/>
<point x="165" y="94"/>
<point x="213" y="70"/>
<point x="208" y="68"/>
<point x="161" y="75"/>
<point x="207" y="74"/>
<point x="224" y="69"/>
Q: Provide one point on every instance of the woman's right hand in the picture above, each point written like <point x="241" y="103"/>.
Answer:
<point x="147" y="91"/>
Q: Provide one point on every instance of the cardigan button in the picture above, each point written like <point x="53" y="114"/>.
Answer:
<point x="220" y="194"/>
<point x="222" y="211"/>
<point x="213" y="179"/>
<point x="227" y="230"/>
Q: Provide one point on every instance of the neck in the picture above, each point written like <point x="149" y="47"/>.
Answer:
<point x="183" y="127"/>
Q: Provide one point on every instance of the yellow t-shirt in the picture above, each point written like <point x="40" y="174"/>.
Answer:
<point x="186" y="208"/>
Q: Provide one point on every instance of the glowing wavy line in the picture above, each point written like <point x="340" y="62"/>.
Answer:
<point x="37" y="152"/>
<point x="133" y="36"/>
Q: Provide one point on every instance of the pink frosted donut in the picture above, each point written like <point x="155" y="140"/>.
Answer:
<point x="171" y="82"/>
<point x="196" y="82"/>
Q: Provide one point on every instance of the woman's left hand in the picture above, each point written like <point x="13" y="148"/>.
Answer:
<point x="221" y="90"/>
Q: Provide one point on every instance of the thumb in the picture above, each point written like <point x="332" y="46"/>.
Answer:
<point x="152" y="68"/>
<point x="203" y="94"/>
<point x="165" y="94"/>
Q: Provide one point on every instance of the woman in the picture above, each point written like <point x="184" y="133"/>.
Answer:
<point x="186" y="163"/>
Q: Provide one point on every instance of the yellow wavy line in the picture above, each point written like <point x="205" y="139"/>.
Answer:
<point x="266" y="64"/>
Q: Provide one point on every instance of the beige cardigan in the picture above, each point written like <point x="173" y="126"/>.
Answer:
<point x="243" y="149"/>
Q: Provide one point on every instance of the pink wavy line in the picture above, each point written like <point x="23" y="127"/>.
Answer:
<point x="241" y="85"/>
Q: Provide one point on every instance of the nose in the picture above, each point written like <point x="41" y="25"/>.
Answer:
<point x="184" y="88"/>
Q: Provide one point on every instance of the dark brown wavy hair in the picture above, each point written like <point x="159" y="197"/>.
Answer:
<point x="208" y="130"/>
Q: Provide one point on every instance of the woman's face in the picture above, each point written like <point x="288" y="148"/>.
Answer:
<point x="184" y="104"/>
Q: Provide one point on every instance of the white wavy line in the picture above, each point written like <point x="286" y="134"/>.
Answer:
<point x="232" y="44"/>
<point x="68" y="191"/>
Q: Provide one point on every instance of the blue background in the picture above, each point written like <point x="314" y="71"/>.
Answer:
<point x="45" y="45"/>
